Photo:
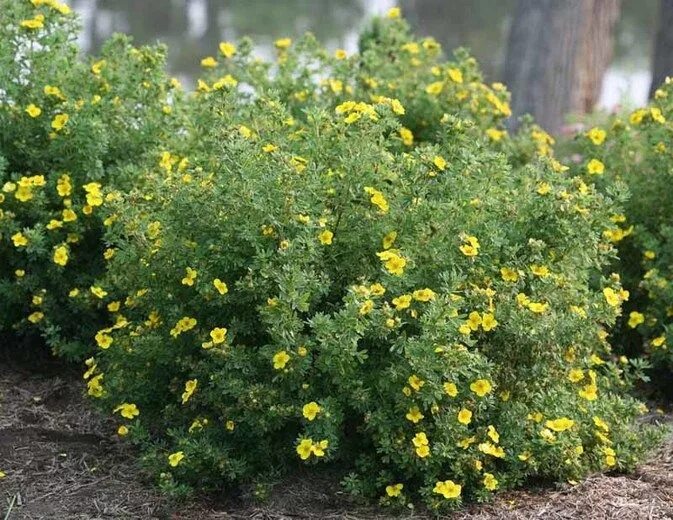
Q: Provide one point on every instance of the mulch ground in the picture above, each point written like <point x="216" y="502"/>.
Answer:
<point x="62" y="462"/>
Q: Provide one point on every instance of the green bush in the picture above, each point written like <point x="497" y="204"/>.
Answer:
<point x="295" y="288"/>
<point x="69" y="129"/>
<point x="634" y="151"/>
<point x="338" y="260"/>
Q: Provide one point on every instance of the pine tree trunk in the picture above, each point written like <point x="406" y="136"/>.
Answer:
<point x="663" y="47"/>
<point x="557" y="54"/>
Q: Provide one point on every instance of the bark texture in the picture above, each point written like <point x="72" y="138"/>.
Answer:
<point x="558" y="52"/>
<point x="663" y="46"/>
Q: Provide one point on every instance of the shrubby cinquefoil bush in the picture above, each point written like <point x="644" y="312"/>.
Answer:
<point x="325" y="260"/>
<point x="68" y="130"/>
<point x="297" y="288"/>
<point x="634" y="151"/>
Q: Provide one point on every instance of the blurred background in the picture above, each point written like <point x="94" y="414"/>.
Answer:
<point x="625" y="30"/>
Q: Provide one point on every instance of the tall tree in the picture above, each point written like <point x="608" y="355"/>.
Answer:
<point x="558" y="52"/>
<point x="663" y="47"/>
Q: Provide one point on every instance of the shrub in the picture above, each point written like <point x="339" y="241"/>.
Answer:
<point x="295" y="287"/>
<point x="68" y="131"/>
<point x="391" y="64"/>
<point x="634" y="151"/>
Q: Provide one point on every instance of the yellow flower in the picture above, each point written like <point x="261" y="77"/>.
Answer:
<point x="596" y="135"/>
<point x="377" y="289"/>
<point x="481" y="387"/>
<point x="319" y="448"/>
<point x="492" y="450"/>
<point x="595" y="167"/>
<point x="495" y="135"/>
<point x="393" y="13"/>
<point x="575" y="375"/>
<point x="424" y="295"/>
<point x="402" y="302"/>
<point x="122" y="431"/>
<point x="305" y="449"/>
<point x="69" y="215"/>
<point x="421" y="444"/>
<point x="61" y="255"/>
<point x="183" y="325"/>
<point x="415" y="382"/>
<point x="559" y="425"/>
<point x="220" y="286"/>
<point x="19" y="239"/>
<point x="37" y="22"/>
<point x="113" y="306"/>
<point x="455" y="75"/>
<point x="190" y="277"/>
<point x="280" y="359"/>
<point x="435" y="89"/>
<point x="59" y="121"/>
<point x="439" y="162"/>
<point x="600" y="423"/>
<point x="378" y="199"/>
<point x="389" y="239"/>
<point x="175" y="458"/>
<point x="340" y="54"/>
<point x="98" y="292"/>
<point x="36" y="317"/>
<point x="393" y="262"/>
<point x="488" y="322"/>
<point x="190" y="388"/>
<point x="209" y="62"/>
<point x="283" y="43"/>
<point x="95" y="387"/>
<point x="311" y="410"/>
<point x="464" y="416"/>
<point x="414" y="415"/>
<point x="450" y="389"/>
<point x="326" y="237"/>
<point x="407" y="136"/>
<point x="218" y="335"/>
<point x="509" y="275"/>
<point x="103" y="339"/>
<point x="539" y="270"/>
<point x="448" y="489"/>
<point x="226" y="81"/>
<point x="227" y="49"/>
<point x="658" y="341"/>
<point x="230" y="425"/>
<point x="543" y="188"/>
<point x="490" y="482"/>
<point x="474" y="320"/>
<point x="612" y="297"/>
<point x="635" y="319"/>
<point x="471" y="248"/>
<point x="127" y="410"/>
<point x="394" y="490"/>
<point x="589" y="392"/>
<point x="366" y="307"/>
<point x="538" y="308"/>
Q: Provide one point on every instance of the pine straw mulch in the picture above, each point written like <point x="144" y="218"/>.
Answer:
<point x="62" y="462"/>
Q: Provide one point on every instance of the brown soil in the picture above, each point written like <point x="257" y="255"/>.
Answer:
<point x="62" y="462"/>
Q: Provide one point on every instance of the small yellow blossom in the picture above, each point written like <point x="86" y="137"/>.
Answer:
<point x="280" y="359"/>
<point x="311" y="410"/>
<point x="175" y="458"/>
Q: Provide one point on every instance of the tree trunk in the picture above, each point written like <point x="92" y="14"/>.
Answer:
<point x="663" y="46"/>
<point x="558" y="52"/>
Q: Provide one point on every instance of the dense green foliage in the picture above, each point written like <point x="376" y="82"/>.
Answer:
<point x="635" y="152"/>
<point x="327" y="259"/>
<point x="68" y="130"/>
